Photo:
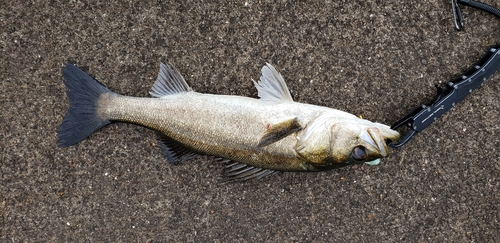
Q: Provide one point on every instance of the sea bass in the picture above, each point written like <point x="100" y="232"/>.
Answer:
<point x="255" y="137"/>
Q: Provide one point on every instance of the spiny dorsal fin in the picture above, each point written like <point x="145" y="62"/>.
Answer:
<point x="279" y="131"/>
<point x="169" y="81"/>
<point x="174" y="151"/>
<point x="271" y="86"/>
<point x="241" y="172"/>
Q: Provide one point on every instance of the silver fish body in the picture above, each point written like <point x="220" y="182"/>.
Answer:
<point x="259" y="136"/>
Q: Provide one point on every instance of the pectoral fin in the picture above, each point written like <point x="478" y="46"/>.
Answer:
<point x="279" y="131"/>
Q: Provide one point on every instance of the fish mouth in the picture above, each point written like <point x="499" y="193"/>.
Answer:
<point x="374" y="137"/>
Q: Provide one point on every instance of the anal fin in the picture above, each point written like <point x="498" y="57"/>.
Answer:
<point x="235" y="171"/>
<point x="279" y="131"/>
<point x="174" y="151"/>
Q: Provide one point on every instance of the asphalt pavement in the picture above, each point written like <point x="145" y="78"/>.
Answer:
<point x="376" y="59"/>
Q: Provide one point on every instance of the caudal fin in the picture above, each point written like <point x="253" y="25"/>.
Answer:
<point x="81" y="119"/>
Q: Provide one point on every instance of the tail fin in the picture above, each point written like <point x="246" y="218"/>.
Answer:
<point x="81" y="119"/>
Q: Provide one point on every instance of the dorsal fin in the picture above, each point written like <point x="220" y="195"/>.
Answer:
<point x="169" y="81"/>
<point x="271" y="86"/>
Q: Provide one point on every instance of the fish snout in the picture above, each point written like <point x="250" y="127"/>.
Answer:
<point x="379" y="139"/>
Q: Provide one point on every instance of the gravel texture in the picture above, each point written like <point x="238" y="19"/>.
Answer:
<point x="378" y="59"/>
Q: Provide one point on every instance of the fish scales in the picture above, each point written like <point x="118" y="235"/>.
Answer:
<point x="220" y="125"/>
<point x="264" y="135"/>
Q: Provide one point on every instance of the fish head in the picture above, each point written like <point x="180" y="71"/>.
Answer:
<point x="355" y="142"/>
<point x="332" y="141"/>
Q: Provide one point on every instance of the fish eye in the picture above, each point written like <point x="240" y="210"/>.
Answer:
<point x="358" y="153"/>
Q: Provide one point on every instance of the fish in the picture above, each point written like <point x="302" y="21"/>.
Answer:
<point x="254" y="137"/>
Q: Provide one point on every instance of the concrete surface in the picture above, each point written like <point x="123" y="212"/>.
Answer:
<point x="378" y="59"/>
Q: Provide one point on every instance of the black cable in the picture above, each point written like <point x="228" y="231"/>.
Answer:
<point x="481" y="6"/>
